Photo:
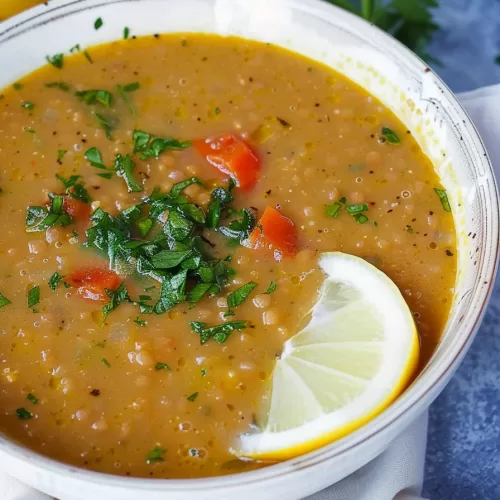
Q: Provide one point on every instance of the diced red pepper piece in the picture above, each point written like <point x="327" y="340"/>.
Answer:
<point x="92" y="282"/>
<point x="275" y="232"/>
<point x="232" y="156"/>
<point x="79" y="210"/>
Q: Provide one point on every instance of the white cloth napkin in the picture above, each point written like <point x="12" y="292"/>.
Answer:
<point x="398" y="473"/>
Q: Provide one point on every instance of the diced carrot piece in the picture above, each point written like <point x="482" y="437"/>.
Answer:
<point x="232" y="156"/>
<point x="92" y="282"/>
<point x="79" y="210"/>
<point x="275" y="232"/>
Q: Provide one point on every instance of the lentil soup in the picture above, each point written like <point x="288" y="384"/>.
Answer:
<point x="129" y="240"/>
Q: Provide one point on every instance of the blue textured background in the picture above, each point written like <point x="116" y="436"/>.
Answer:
<point x="463" y="456"/>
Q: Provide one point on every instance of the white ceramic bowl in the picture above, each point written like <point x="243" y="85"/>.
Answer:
<point x="403" y="83"/>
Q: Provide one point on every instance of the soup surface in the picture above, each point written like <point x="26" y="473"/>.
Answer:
<point x="132" y="391"/>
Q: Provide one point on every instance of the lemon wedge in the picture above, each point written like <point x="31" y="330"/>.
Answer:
<point x="356" y="354"/>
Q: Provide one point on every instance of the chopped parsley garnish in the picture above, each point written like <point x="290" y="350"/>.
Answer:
<point x="105" y="362"/>
<point x="57" y="60"/>
<point x="333" y="210"/>
<point x="95" y="96"/>
<point x="65" y="87"/>
<point x="124" y="90"/>
<point x="282" y="122"/>
<point x="162" y="366"/>
<point x="75" y="188"/>
<point x="219" y="333"/>
<point x="236" y="298"/>
<point x="155" y="455"/>
<point x="360" y="218"/>
<point x="54" y="281"/>
<point x="98" y="23"/>
<point x="443" y="197"/>
<point x="87" y="56"/>
<point x="126" y="32"/>
<point x="239" y="230"/>
<point x="106" y="123"/>
<point x="29" y="130"/>
<point x="23" y="414"/>
<point x="203" y="372"/>
<point x="28" y="105"/>
<point x="32" y="398"/>
<point x="41" y="218"/>
<point x="33" y="296"/>
<point x="115" y="299"/>
<point x="356" y="209"/>
<point x="217" y="110"/>
<point x="271" y="288"/>
<point x="390" y="136"/>
<point x="75" y="48"/>
<point x="18" y="86"/>
<point x="149" y="146"/>
<point x="123" y="167"/>
<point x="60" y="155"/>
<point x="193" y="396"/>
<point x="140" y="321"/>
<point x="4" y="301"/>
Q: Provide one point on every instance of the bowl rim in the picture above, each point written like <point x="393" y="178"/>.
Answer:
<point x="428" y="379"/>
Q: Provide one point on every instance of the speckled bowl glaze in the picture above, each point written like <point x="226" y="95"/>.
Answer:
<point x="392" y="74"/>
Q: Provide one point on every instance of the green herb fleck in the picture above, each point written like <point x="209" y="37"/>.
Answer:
<point x="149" y="146"/>
<point x="193" y="396"/>
<point x="58" y="85"/>
<point x="360" y="218"/>
<point x="32" y="398"/>
<point x="60" y="155"/>
<point x="217" y="110"/>
<point x="4" y="301"/>
<point x="126" y="32"/>
<point x="23" y="414"/>
<point x="333" y="210"/>
<point x="87" y="56"/>
<point x="162" y="366"/>
<point x="219" y="333"/>
<point x="123" y="91"/>
<point x="28" y="105"/>
<point x="390" y="136"/>
<point x="156" y="455"/>
<point x="54" y="281"/>
<point x="105" y="362"/>
<point x="33" y="296"/>
<point x="140" y="321"/>
<point x="57" y="60"/>
<point x="18" y="86"/>
<point x="98" y="23"/>
<point x="236" y="298"/>
<point x="203" y="372"/>
<point x="356" y="209"/>
<point x="272" y="287"/>
<point x="95" y="96"/>
<point x="443" y="196"/>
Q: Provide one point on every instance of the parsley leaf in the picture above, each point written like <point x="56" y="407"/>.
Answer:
<point x="193" y="396"/>
<point x="443" y="197"/>
<point x="123" y="91"/>
<point x="236" y="298"/>
<point x="162" y="366"/>
<point x="58" y="85"/>
<point x="4" y="301"/>
<point x="220" y="333"/>
<point x="32" y="398"/>
<point x="149" y="146"/>
<point x="95" y="96"/>
<point x="140" y="322"/>
<point x="41" y="218"/>
<point x="54" y="281"/>
<point x="156" y="455"/>
<point x="23" y="414"/>
<point x="116" y="298"/>
<point x="60" y="155"/>
<point x="126" y="32"/>
<point x="56" y="60"/>
<point x="105" y="362"/>
<point x="124" y="167"/>
<point x="271" y="288"/>
<point x="390" y="136"/>
<point x="33" y="296"/>
<point x="98" y="23"/>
